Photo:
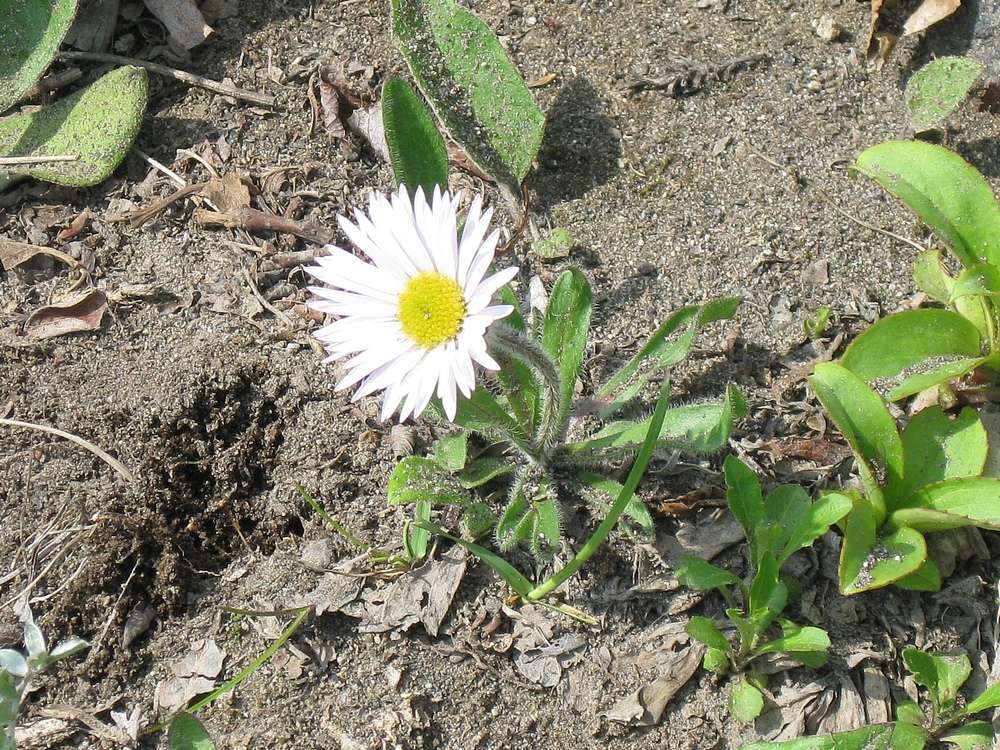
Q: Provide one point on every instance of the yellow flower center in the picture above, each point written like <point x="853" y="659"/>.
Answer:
<point x="431" y="309"/>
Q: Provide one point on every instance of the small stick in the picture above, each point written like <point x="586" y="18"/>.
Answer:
<point x="159" y="166"/>
<point x="85" y="444"/>
<point x="140" y="216"/>
<point x="18" y="160"/>
<point x="179" y="75"/>
<point x="200" y="159"/>
<point x="267" y="305"/>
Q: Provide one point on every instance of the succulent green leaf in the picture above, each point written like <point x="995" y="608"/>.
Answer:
<point x="564" y="332"/>
<point x="945" y="191"/>
<point x="868" y="427"/>
<point x="934" y="91"/>
<point x="937" y="447"/>
<point x="187" y="733"/>
<point x="416" y="149"/>
<point x="976" y="735"/>
<point x="932" y="278"/>
<point x="925" y="578"/>
<point x="701" y="575"/>
<point x="664" y="349"/>
<point x="471" y="84"/>
<point x="483" y="470"/>
<point x="30" y="34"/>
<point x="874" y="737"/>
<point x="743" y="494"/>
<point x="705" y="631"/>
<point x="745" y="701"/>
<point x="635" y="512"/>
<point x="416" y="479"/>
<point x="952" y="504"/>
<point x="902" y="350"/>
<point x="96" y="124"/>
<point x="989" y="698"/>
<point x="451" y="451"/>
<point x="867" y="563"/>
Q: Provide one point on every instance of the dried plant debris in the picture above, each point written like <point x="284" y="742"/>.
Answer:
<point x="192" y="675"/>
<point x="684" y="76"/>
<point x="422" y="595"/>
<point x="883" y="33"/>
<point x="83" y="312"/>
<point x="645" y="706"/>
<point x="183" y="21"/>
<point x="538" y="654"/>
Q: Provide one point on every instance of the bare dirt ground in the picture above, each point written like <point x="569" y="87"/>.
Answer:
<point x="219" y="406"/>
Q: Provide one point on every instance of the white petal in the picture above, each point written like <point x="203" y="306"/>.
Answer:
<point x="481" y="295"/>
<point x="482" y="259"/>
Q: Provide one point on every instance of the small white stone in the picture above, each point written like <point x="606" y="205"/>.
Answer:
<point x="827" y="29"/>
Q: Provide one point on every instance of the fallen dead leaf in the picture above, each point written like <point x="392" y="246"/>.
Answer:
<point x="929" y="13"/>
<point x="644" y="707"/>
<point x="228" y="192"/>
<point x="184" y="22"/>
<point x="821" y="450"/>
<point x="84" y="312"/>
<point x="336" y="99"/>
<point x="368" y="124"/>
<point x="881" y="42"/>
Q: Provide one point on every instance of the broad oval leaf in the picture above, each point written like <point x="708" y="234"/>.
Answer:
<point x="913" y="343"/>
<point x="937" y="447"/>
<point x="866" y="424"/>
<point x="925" y="578"/>
<point x="415" y="479"/>
<point x="745" y="701"/>
<point x="30" y="34"/>
<point x="451" y="451"/>
<point x="945" y="191"/>
<point x="187" y="733"/>
<point x="868" y="563"/>
<point x="934" y="91"/>
<point x="976" y="735"/>
<point x="931" y="276"/>
<point x="472" y="86"/>
<point x="418" y="154"/>
<point x="13" y="662"/>
<point x="966" y="501"/>
<point x="564" y="333"/>
<point x="96" y="124"/>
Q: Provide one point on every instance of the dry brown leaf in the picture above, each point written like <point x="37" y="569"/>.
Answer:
<point x="336" y="99"/>
<point x="184" y="22"/>
<point x="13" y="254"/>
<point x="75" y="226"/>
<point x="876" y="688"/>
<point x="929" y="13"/>
<point x="85" y="312"/>
<point x="644" y="707"/>
<point x="227" y="192"/>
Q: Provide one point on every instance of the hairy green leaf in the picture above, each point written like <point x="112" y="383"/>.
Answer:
<point x="96" y="124"/>
<point x="30" y="34"/>
<point x="547" y="529"/>
<point x="635" y="512"/>
<point x="564" y="332"/>
<point x="980" y="279"/>
<point x="483" y="470"/>
<point x="934" y="91"/>
<point x="416" y="479"/>
<point x="514" y="578"/>
<point x="416" y="149"/>
<point x="451" y="451"/>
<point x="472" y="86"/>
<point x="945" y="191"/>
<point x="715" y="660"/>
<point x="521" y="387"/>
<point x="477" y="518"/>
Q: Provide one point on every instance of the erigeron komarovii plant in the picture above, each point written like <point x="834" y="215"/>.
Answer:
<point x="419" y="319"/>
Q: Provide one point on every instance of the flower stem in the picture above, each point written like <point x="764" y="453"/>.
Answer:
<point x="606" y="526"/>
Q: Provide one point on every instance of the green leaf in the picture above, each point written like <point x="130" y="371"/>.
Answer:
<point x="908" y="737"/>
<point x="934" y="91"/>
<point x="30" y="35"/>
<point x="416" y="149"/>
<point x="68" y="648"/>
<point x="932" y="278"/>
<point x="925" y="578"/>
<point x="901" y="350"/>
<point x="874" y="737"/>
<point x="937" y="447"/>
<point x="96" y="124"/>
<point x="976" y="735"/>
<point x="942" y="675"/>
<point x="797" y="639"/>
<point x="921" y="664"/>
<point x="512" y="528"/>
<point x="745" y="701"/>
<point x="483" y="470"/>
<point x="547" y="529"/>
<point x="989" y="698"/>
<point x="451" y="451"/>
<point x="866" y="424"/>
<point x="816" y="521"/>
<point x="564" y="332"/>
<point x="705" y="631"/>
<point x="662" y="350"/>
<point x="952" y="504"/>
<point x="636" y="510"/>
<point x="980" y="279"/>
<point x="416" y="479"/>
<point x="482" y="413"/>
<point x="477" y="519"/>
<point x="519" y="383"/>
<point x="556" y="245"/>
<point x="909" y="712"/>
<point x="9" y="702"/>
<point x="743" y="494"/>
<point x="701" y="575"/>
<point x="768" y="595"/>
<point x="187" y="733"/>
<point x="514" y="578"/>
<point x="867" y="565"/>
<point x="13" y="662"/>
<point x="945" y="191"/>
<point x="471" y="84"/>
<point x="416" y="537"/>
<point x="716" y="660"/>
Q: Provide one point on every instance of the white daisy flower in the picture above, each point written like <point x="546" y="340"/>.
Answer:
<point x="413" y="321"/>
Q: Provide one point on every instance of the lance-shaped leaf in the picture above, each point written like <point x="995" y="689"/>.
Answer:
<point x="945" y="191"/>
<point x="976" y="735"/>
<point x="701" y="575"/>
<point x="867" y="562"/>
<point x="743" y="495"/>
<point x="97" y="125"/>
<point x="934" y="91"/>
<point x="867" y="426"/>
<point x="418" y="154"/>
<point x="564" y="332"/>
<point x="472" y="85"/>
<point x="874" y="737"/>
<point x="913" y="350"/>
<point x="937" y="447"/>
<point x="798" y="520"/>
<point x="520" y="385"/>
<point x="636" y="510"/>
<point x="706" y="631"/>
<point x="989" y="698"/>
<point x="952" y="504"/>
<point x="795" y="638"/>
<point x="30" y="33"/>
